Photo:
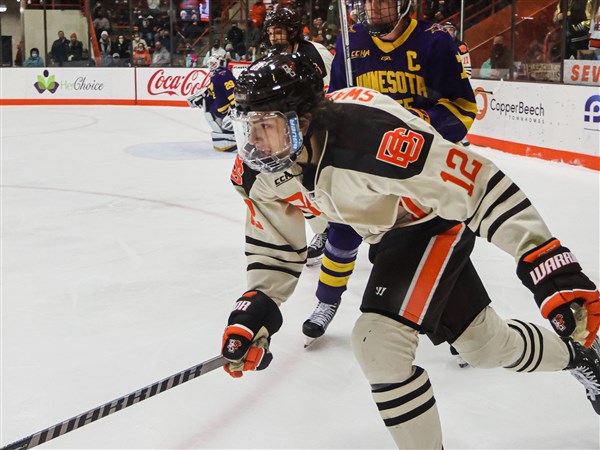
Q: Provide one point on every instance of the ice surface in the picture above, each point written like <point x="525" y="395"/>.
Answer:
<point x="122" y="253"/>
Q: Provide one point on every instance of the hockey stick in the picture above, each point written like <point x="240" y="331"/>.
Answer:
<point x="116" y="405"/>
<point x="346" y="43"/>
<point x="495" y="91"/>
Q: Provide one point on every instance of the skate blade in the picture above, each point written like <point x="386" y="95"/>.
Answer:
<point x="308" y="341"/>
<point x="312" y="262"/>
<point x="462" y="363"/>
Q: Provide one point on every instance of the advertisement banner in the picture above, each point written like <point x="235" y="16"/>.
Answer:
<point x="582" y="72"/>
<point x="61" y="85"/>
<point x="169" y="86"/>
<point x="554" y="122"/>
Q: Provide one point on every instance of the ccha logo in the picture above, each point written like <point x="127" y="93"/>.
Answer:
<point x="592" y="109"/>
<point x="46" y="83"/>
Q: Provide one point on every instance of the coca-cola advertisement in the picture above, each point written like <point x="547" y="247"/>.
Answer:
<point x="168" y="85"/>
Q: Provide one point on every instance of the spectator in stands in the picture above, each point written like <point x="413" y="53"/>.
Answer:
<point x="161" y="56"/>
<point x="257" y="14"/>
<point x="146" y="24"/>
<point x="164" y="38"/>
<point x="499" y="58"/>
<point x="317" y="25"/>
<point x="192" y="31"/>
<point x="216" y="51"/>
<point x="579" y="14"/>
<point x="235" y="36"/>
<point x="34" y="60"/>
<point x="252" y="37"/>
<point x="98" y="10"/>
<point x="116" y="61"/>
<point x="121" y="46"/>
<point x="137" y="40"/>
<point x="230" y="54"/>
<point x="141" y="56"/>
<point x="75" y="48"/>
<point x="101" y="23"/>
<point x="19" y="56"/>
<point x="154" y="7"/>
<point x="106" y="48"/>
<point x="60" y="49"/>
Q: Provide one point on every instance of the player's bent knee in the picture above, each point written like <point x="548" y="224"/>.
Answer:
<point x="488" y="342"/>
<point x="384" y="348"/>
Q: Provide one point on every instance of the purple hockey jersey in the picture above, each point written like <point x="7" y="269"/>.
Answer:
<point x="421" y="69"/>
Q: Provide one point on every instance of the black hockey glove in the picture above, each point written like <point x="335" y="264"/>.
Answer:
<point x="254" y="319"/>
<point x="564" y="294"/>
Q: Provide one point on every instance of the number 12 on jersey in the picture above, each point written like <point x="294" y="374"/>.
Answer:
<point x="462" y="174"/>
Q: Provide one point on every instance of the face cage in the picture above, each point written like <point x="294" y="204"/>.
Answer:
<point x="402" y="9"/>
<point x="277" y="160"/>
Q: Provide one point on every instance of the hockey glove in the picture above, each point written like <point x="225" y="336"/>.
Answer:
<point x="564" y="294"/>
<point x="197" y="100"/>
<point x="254" y="319"/>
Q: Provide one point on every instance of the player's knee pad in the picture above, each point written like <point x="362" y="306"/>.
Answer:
<point x="519" y="346"/>
<point x="384" y="348"/>
<point x="213" y="123"/>
<point x="489" y="342"/>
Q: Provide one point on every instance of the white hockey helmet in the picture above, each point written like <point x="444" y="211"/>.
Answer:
<point x="215" y="63"/>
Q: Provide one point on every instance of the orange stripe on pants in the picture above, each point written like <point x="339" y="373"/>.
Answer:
<point x="428" y="274"/>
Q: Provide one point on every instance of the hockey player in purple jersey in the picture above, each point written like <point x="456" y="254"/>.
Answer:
<point x="216" y="99"/>
<point x="415" y="63"/>
<point x="419" y="201"/>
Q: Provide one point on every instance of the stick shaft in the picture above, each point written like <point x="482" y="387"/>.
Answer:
<point x="116" y="405"/>
<point x="346" y="43"/>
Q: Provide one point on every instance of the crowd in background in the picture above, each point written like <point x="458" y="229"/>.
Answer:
<point x="143" y="35"/>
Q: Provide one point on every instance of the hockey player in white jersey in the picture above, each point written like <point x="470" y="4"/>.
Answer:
<point x="420" y="201"/>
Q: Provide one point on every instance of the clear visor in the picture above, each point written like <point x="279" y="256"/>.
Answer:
<point x="268" y="141"/>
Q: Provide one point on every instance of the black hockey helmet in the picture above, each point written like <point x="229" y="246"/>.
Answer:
<point x="386" y="19"/>
<point x="450" y="28"/>
<point x="272" y="94"/>
<point x="286" y="18"/>
<point x="280" y="82"/>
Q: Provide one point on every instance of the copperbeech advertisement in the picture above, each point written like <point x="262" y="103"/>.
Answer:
<point x="550" y="121"/>
<point x="165" y="84"/>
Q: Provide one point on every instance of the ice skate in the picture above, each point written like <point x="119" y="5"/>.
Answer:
<point x="585" y="367"/>
<point x="316" y="249"/>
<point x="315" y="326"/>
<point x="459" y="359"/>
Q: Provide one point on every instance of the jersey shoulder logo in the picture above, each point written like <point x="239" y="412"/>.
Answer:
<point x="400" y="147"/>
<point x="237" y="171"/>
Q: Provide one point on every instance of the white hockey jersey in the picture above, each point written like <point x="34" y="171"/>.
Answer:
<point x="381" y="168"/>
